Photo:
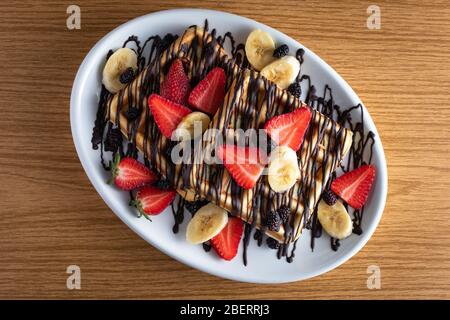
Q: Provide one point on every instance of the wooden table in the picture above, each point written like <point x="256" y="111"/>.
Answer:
<point x="52" y="217"/>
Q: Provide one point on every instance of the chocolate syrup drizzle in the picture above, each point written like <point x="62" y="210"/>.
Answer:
<point x="149" y="68"/>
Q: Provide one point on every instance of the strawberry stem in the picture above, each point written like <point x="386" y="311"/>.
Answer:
<point x="114" y="168"/>
<point x="138" y="205"/>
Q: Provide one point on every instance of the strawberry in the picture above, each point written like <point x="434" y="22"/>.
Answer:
<point x="289" y="129"/>
<point x="226" y="243"/>
<point x="152" y="200"/>
<point x="129" y="174"/>
<point x="176" y="87"/>
<point x="209" y="93"/>
<point x="354" y="186"/>
<point x="167" y="114"/>
<point x="245" y="164"/>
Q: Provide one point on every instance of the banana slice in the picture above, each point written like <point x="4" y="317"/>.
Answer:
<point x="206" y="224"/>
<point x="192" y="126"/>
<point x="335" y="219"/>
<point x="117" y="64"/>
<point x="283" y="71"/>
<point x="259" y="49"/>
<point x="283" y="169"/>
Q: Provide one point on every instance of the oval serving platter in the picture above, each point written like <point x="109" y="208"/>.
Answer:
<point x="263" y="265"/>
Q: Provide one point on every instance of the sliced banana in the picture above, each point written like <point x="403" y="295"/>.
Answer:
<point x="259" y="49"/>
<point x="118" y="63"/>
<point x="206" y="224"/>
<point x="191" y="127"/>
<point x="335" y="219"/>
<point x="283" y="71"/>
<point x="283" y="169"/>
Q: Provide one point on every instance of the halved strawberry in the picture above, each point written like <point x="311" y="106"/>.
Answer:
<point x="129" y="174"/>
<point x="354" y="186"/>
<point x="289" y="129"/>
<point x="245" y="164"/>
<point x="152" y="200"/>
<point x="208" y="95"/>
<point x="226" y="243"/>
<point x="176" y="87"/>
<point x="167" y="114"/>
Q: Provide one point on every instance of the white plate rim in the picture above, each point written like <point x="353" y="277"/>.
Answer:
<point x="93" y="176"/>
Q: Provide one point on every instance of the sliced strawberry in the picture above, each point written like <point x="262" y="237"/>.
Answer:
<point x="176" y="87"/>
<point x="289" y="129"/>
<point x="129" y="174"/>
<point x="152" y="200"/>
<point x="245" y="164"/>
<point x="226" y="243"/>
<point x="354" y="186"/>
<point x="167" y="114"/>
<point x="209" y="93"/>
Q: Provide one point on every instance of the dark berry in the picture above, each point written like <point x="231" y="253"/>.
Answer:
<point x="284" y="212"/>
<point x="329" y="197"/>
<point x="132" y="114"/>
<point x="163" y="184"/>
<point x="295" y="89"/>
<point x="272" y="243"/>
<point x="207" y="246"/>
<point x="165" y="42"/>
<point x="281" y="51"/>
<point x="273" y="221"/>
<point x="113" y="140"/>
<point x="193" y="206"/>
<point x="127" y="76"/>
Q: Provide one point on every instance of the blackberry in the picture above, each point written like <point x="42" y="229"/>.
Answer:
<point x="132" y="114"/>
<point x="127" y="76"/>
<point x="272" y="243"/>
<point x="193" y="206"/>
<point x="165" y="42"/>
<point x="284" y="212"/>
<point x="281" y="51"/>
<point x="113" y="140"/>
<point x="329" y="197"/>
<point x="163" y="184"/>
<point x="273" y="221"/>
<point x="295" y="89"/>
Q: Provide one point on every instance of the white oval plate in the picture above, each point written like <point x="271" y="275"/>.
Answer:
<point x="263" y="266"/>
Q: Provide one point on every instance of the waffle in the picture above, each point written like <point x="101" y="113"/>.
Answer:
<point x="250" y="101"/>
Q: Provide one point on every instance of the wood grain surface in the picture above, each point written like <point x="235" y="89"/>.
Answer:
<point x="52" y="217"/>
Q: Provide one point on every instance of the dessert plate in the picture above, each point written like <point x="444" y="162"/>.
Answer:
<point x="263" y="265"/>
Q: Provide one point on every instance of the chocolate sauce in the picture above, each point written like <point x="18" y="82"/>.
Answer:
<point x="200" y="57"/>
